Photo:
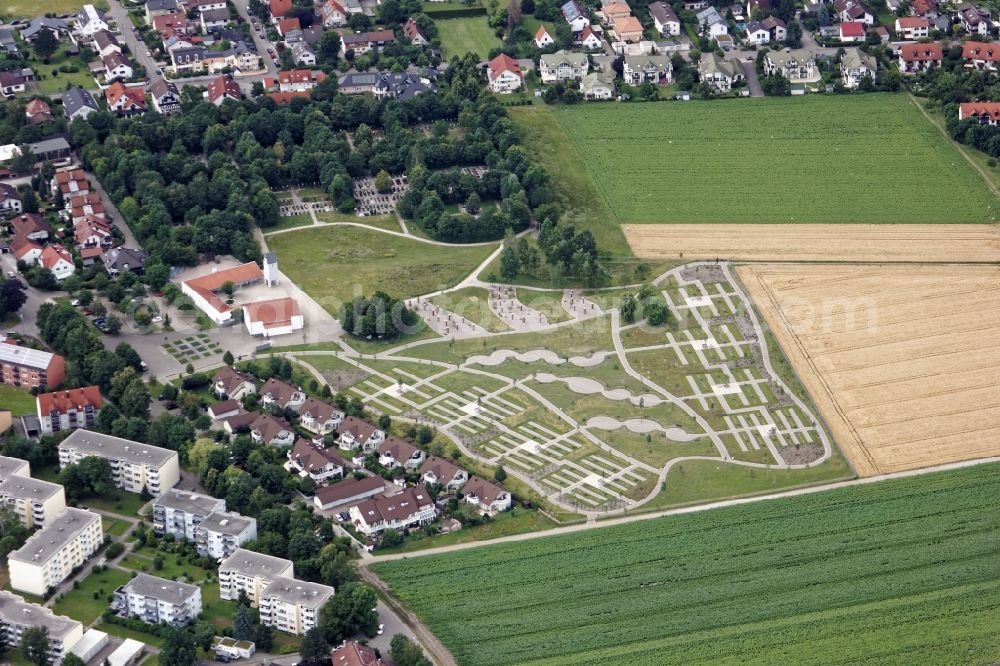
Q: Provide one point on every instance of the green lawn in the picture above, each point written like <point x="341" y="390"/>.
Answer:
<point x="125" y="632"/>
<point x="115" y="527"/>
<point x="473" y="304"/>
<point x="335" y="264"/>
<point x="895" y="572"/>
<point x="515" y="521"/>
<point x="120" y="502"/>
<point x="143" y="562"/>
<point x="290" y="222"/>
<point x="388" y="222"/>
<point x="26" y="9"/>
<point x="464" y="35"/>
<point x="18" y="401"/>
<point x="50" y="82"/>
<point x="810" y="159"/>
<point x="80" y="603"/>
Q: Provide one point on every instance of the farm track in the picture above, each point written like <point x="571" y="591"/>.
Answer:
<point x="892" y="357"/>
<point x="916" y="243"/>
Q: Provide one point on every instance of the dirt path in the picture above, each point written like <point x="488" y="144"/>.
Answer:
<point x="437" y="652"/>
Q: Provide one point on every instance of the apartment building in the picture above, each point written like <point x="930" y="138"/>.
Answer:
<point x="16" y="615"/>
<point x="293" y="605"/>
<point x="70" y="409"/>
<point x="179" y="512"/>
<point x="51" y="554"/>
<point x="13" y="467"/>
<point x="135" y="465"/>
<point x="251" y="572"/>
<point x="37" y="502"/>
<point x="222" y="533"/>
<point x="30" y="368"/>
<point x="158" y="601"/>
<point x="409" y="508"/>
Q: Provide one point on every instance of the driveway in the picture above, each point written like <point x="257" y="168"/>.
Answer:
<point x="753" y="83"/>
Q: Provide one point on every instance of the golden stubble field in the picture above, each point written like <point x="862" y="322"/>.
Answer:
<point x="902" y="361"/>
<point x="817" y="242"/>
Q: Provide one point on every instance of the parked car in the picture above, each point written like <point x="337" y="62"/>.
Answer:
<point x="11" y="274"/>
<point x="75" y="302"/>
<point x="381" y="629"/>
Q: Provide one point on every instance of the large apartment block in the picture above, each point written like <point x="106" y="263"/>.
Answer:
<point x="16" y="615"/>
<point x="28" y="368"/>
<point x="179" y="512"/>
<point x="135" y="465"/>
<point x="252" y="573"/>
<point x="293" y="605"/>
<point x="221" y="534"/>
<point x="13" y="467"/>
<point x="37" y="502"/>
<point x="159" y="601"/>
<point x="69" y="409"/>
<point x="51" y="554"/>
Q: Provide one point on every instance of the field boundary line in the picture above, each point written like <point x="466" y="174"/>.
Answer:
<point x="959" y="147"/>
<point x="737" y="501"/>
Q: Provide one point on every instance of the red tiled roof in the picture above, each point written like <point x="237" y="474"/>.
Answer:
<point x="207" y="285"/>
<point x="921" y="52"/>
<point x="852" y="29"/>
<point x="282" y="98"/>
<point x="293" y="76"/>
<point x="36" y="106"/>
<point x="486" y="491"/>
<point x="288" y="24"/>
<point x="990" y="109"/>
<point x="273" y="312"/>
<point x="174" y="21"/>
<point x="64" y="401"/>
<point x="53" y="253"/>
<point x="223" y="86"/>
<point x="504" y="63"/>
<point x="131" y="95"/>
<point x="21" y="245"/>
<point x="912" y="22"/>
<point x="279" y="8"/>
<point x="541" y="32"/>
<point x="354" y="654"/>
<point x="981" y="51"/>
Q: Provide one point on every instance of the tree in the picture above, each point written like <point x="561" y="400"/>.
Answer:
<point x="384" y="422"/>
<point x="628" y="308"/>
<point x="383" y="181"/>
<point x="113" y="324"/>
<point x="227" y="358"/>
<point x="204" y="632"/>
<point x="314" y="646"/>
<point x="349" y="612"/>
<point x="263" y="637"/>
<point x="45" y="44"/>
<point x="72" y="660"/>
<point x="500" y="474"/>
<point x="35" y="645"/>
<point x="510" y="265"/>
<point x="424" y="435"/>
<point x="12" y="297"/>
<point x="179" y="648"/>
<point x="242" y="625"/>
<point x="228" y="288"/>
<point x="405" y="652"/>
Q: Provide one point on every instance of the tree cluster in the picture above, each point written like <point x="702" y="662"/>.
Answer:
<point x="379" y="316"/>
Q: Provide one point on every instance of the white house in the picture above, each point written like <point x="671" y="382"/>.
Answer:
<point x="57" y="259"/>
<point x="89" y="20"/>
<point x="653" y="68"/>
<point x="665" y="19"/>
<point x="395" y="452"/>
<point x="562" y="66"/>
<point x="912" y="27"/>
<point x="757" y="34"/>
<point x="504" y="74"/>
<point x="719" y="73"/>
<point x="312" y="460"/>
<point x="576" y="15"/>
<point x="354" y="433"/>
<point x="597" y="85"/>
<point x="442" y="472"/>
<point x="410" y="508"/>
<point x="319" y="417"/>
<point x="486" y="496"/>
<point x="543" y="38"/>
<point x="855" y="66"/>
<point x="156" y="600"/>
<point x="716" y="25"/>
<point x="279" y="316"/>
<point x="794" y="64"/>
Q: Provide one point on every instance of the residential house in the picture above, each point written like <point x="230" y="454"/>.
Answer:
<point x="395" y="452"/>
<point x="57" y="259"/>
<point x="365" y="42"/>
<point x="410" y="508"/>
<point x="69" y="409"/>
<point x="348" y="492"/>
<point x="156" y="8"/>
<point x="157" y="601"/>
<point x="856" y="65"/>
<point x="627" y="29"/>
<point x="187" y="58"/>
<point x="120" y="259"/>
<point x="278" y="8"/>
<point x="34" y="501"/>
<point x="303" y="54"/>
<point x="563" y="66"/>
<point x="293" y="606"/>
<point x="851" y="32"/>
<point x="135" y="465"/>
<point x="985" y="113"/>
<point x="279" y="394"/>
<point x="105" y="43"/>
<point x="54" y="553"/>
<point x="116" y="66"/>
<point x="919" y="57"/>
<point x="28" y="368"/>
<point x="299" y="80"/>
<point x="912" y="27"/>
<point x="179" y="512"/>
<point x="776" y="27"/>
<point x="271" y="430"/>
<point x="486" y="496"/>
<point x="333" y="14"/>
<point x="504" y="74"/>
<point x="757" y="34"/>
<point x="240" y="57"/>
<point x="31" y="226"/>
<point x="850" y="11"/>
<point x="71" y="182"/>
<point x="175" y="23"/>
<point x="981" y="55"/>
<point x="975" y="20"/>
<point x="166" y="98"/>
<point x="58" y="27"/>
<point x="222" y="533"/>
<point x="223" y="410"/>
<point x="353" y="653"/>
<point x="25" y="250"/>
<point x="354" y="433"/>
<point x="223" y="88"/>
<point x="597" y="86"/>
<point x="588" y="39"/>
<point x="126" y="101"/>
<point x="794" y="64"/>
<point x="319" y="417"/>
<point x="89" y="20"/>
<point x="288" y="25"/>
<point x="576" y="15"/>
<point x="239" y="423"/>
<point x="929" y="9"/>
<point x="614" y="10"/>
<point x="78" y="103"/>
<point x="312" y="460"/>
<point x="405" y="85"/>
<point x="8" y="43"/>
<point x="543" y="38"/>
<point x="12" y="83"/>
<point x="10" y="200"/>
<point x="413" y="33"/>
<point x="231" y="384"/>
<point x="653" y="68"/>
<point x="93" y="232"/>
<point x="38" y="113"/>
<point x="443" y="472"/>
<point x="694" y="5"/>
<point x="213" y="20"/>
<point x="719" y="73"/>
<point x="716" y="25"/>
<point x="664" y="19"/>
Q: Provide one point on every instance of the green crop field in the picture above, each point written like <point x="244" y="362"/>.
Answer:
<point x="859" y="158"/>
<point x="895" y="572"/>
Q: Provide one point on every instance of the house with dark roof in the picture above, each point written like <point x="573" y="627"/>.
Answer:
<point x="59" y="27"/>
<point x="347" y="492"/>
<point x="12" y="83"/>
<point x="410" y="508"/>
<point x="364" y="42"/>
<point x="486" y="496"/>
<point x="443" y="472"/>
<point x="664" y="19"/>
<point x="395" y="452"/>
<point x="576" y="15"/>
<point x="166" y="98"/>
<point x="117" y="260"/>
<point x="232" y="384"/>
<point x="354" y="433"/>
<point x="223" y="88"/>
<point x="78" y="103"/>
<point x="319" y="417"/>
<point x="187" y="58"/>
<point x="279" y="394"/>
<point x="312" y="460"/>
<point x="271" y="430"/>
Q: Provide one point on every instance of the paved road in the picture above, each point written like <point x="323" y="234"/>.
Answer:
<point x="112" y="211"/>
<point x="135" y="45"/>
<point x="753" y="83"/>
<point x="262" y="44"/>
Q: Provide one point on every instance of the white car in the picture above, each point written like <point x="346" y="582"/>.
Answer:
<point x="381" y="629"/>
<point x="75" y="302"/>
<point x="157" y="319"/>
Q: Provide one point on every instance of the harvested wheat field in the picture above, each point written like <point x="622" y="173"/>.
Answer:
<point x="817" y="242"/>
<point x="901" y="360"/>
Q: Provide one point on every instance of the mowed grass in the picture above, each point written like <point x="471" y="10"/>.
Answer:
<point x="18" y="401"/>
<point x="80" y="604"/>
<point x="895" y="572"/>
<point x="337" y="264"/>
<point x="862" y="159"/>
<point x="26" y="9"/>
<point x="466" y="35"/>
